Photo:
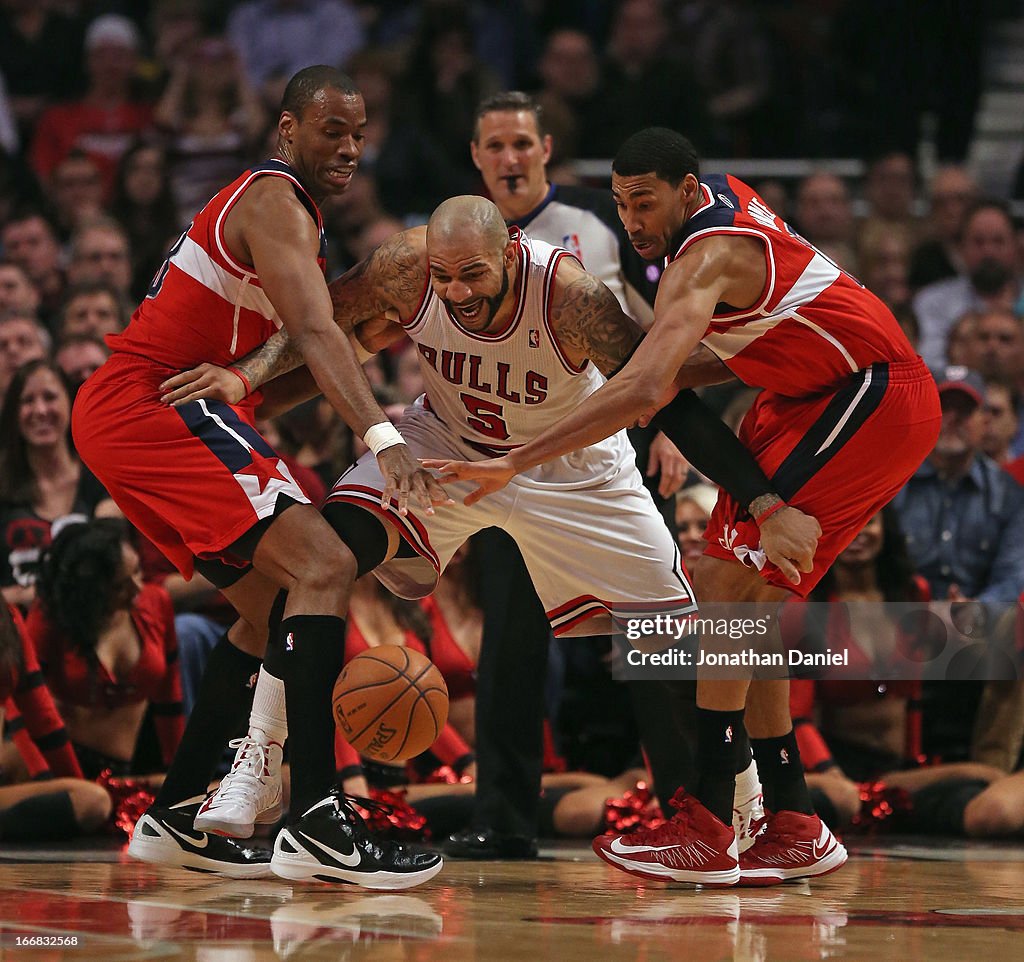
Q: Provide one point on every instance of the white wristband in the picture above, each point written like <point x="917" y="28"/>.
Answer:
<point x="381" y="436"/>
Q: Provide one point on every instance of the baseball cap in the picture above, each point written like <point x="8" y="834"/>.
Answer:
<point x="957" y="377"/>
<point x="112" y="29"/>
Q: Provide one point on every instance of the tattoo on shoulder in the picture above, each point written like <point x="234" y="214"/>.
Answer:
<point x="391" y="277"/>
<point x="590" y="323"/>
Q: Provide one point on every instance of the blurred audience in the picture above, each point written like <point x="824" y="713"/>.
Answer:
<point x="824" y="215"/>
<point x="22" y="339"/>
<point x="30" y="240"/>
<point x="95" y="308"/>
<point x="43" y="485"/>
<point x="964" y="516"/>
<point x="950" y="194"/>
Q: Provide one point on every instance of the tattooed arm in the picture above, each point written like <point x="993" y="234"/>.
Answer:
<point x="588" y="321"/>
<point x="386" y="285"/>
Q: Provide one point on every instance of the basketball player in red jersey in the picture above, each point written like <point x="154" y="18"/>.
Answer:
<point x="848" y="413"/>
<point x="202" y="484"/>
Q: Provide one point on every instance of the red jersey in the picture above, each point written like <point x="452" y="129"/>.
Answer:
<point x="203" y="304"/>
<point x="813" y="325"/>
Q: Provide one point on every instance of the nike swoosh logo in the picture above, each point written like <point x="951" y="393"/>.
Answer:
<point x="351" y="860"/>
<point x="619" y="849"/>
<point x="193" y="842"/>
<point x="820" y="853"/>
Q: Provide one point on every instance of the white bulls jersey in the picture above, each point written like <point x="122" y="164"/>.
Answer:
<point x="499" y="390"/>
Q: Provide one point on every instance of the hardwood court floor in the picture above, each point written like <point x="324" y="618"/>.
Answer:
<point x="919" y="900"/>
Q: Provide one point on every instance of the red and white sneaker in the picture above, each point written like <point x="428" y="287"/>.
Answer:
<point x="791" y="846"/>
<point x="693" y="846"/>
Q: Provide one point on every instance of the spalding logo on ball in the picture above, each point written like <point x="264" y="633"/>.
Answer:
<point x="390" y="703"/>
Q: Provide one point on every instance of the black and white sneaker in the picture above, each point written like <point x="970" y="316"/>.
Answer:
<point x="165" y="836"/>
<point x="331" y="843"/>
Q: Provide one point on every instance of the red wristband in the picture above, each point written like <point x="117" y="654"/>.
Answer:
<point x="241" y="377"/>
<point x="768" y="512"/>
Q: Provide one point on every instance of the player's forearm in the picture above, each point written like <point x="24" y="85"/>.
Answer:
<point x="332" y="362"/>
<point x="708" y="444"/>
<point x="608" y="410"/>
<point x="276" y="356"/>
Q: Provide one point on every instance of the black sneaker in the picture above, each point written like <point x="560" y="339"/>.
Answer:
<point x="485" y="845"/>
<point x="165" y="836"/>
<point x="332" y="843"/>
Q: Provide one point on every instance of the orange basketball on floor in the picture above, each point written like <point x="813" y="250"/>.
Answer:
<point x="390" y="703"/>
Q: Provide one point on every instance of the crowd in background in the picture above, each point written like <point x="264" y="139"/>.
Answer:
<point x="119" y="121"/>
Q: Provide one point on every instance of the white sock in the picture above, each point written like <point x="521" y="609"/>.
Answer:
<point x="748" y="784"/>
<point x="268" y="708"/>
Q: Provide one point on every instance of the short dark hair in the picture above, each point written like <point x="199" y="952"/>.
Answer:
<point x="658" y="150"/>
<point x="309" y="81"/>
<point x="509" y="101"/>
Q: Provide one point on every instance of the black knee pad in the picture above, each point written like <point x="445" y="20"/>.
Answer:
<point x="364" y="534"/>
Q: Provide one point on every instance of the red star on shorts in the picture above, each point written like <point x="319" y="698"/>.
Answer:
<point x="264" y="470"/>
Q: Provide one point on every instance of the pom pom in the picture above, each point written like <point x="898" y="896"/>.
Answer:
<point x="635" y="811"/>
<point x="130" y="799"/>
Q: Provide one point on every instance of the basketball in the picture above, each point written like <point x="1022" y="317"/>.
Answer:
<point x="390" y="703"/>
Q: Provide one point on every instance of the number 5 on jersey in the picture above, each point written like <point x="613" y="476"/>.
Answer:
<point x="485" y="417"/>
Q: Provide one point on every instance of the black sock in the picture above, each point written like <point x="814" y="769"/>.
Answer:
<point x="312" y="655"/>
<point x="782" y="774"/>
<point x="717" y="744"/>
<point x="45" y="818"/>
<point x="220" y="713"/>
<point x="744" y="753"/>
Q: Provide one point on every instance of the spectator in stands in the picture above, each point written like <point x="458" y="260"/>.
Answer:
<point x="41" y="53"/>
<point x="884" y="263"/>
<point x="22" y="339"/>
<point x="93" y="308"/>
<point x="30" y="240"/>
<point x="642" y="84"/>
<point x="17" y="292"/>
<point x="394" y="147"/>
<point x="101" y="252"/>
<point x="43" y="485"/>
<point x="107" y="646"/>
<point x="213" y="118"/>
<point x="79" y="356"/>
<point x="950" y="194"/>
<point x="277" y="38"/>
<point x="569" y="74"/>
<point x="76" y="192"/>
<point x="824" y="215"/>
<point x="107" y="118"/>
<point x="444" y="82"/>
<point x="732" y="61"/>
<point x="56" y="803"/>
<point x="1003" y="421"/>
<point x="145" y="207"/>
<point x="964" y="516"/>
<point x="889" y="187"/>
<point x="989" y="277"/>
<point x="693" y="507"/>
<point x="997" y="354"/>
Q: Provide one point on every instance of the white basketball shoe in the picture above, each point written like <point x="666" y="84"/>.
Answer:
<point x="250" y="794"/>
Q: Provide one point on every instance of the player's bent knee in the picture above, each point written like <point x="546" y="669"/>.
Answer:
<point x="991" y="815"/>
<point x="90" y="803"/>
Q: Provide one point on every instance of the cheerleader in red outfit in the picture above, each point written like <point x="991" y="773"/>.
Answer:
<point x="107" y="646"/>
<point x="55" y="802"/>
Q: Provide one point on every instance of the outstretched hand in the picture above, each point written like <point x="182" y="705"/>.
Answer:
<point x="492" y="474"/>
<point x="404" y="478"/>
<point x="204" y="381"/>
<point x="789" y="539"/>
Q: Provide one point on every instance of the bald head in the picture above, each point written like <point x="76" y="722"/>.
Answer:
<point x="465" y="219"/>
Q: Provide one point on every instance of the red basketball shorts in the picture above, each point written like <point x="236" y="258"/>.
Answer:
<point x="192" y="479"/>
<point x="840" y="457"/>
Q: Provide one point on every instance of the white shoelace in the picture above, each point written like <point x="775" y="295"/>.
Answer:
<point x="249" y="765"/>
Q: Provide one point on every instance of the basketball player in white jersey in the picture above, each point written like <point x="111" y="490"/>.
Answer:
<point x="512" y="334"/>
